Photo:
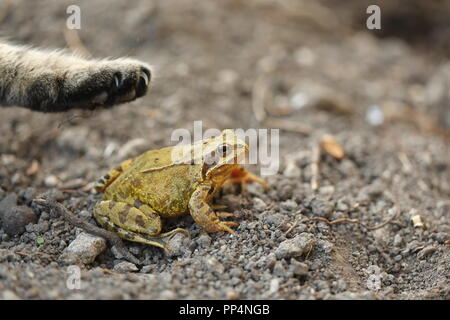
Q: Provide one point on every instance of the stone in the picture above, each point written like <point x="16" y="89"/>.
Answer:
<point x="125" y="266"/>
<point x="259" y="204"/>
<point x="84" y="249"/>
<point x="204" y="241"/>
<point x="16" y="218"/>
<point x="296" y="247"/>
<point x="298" y="268"/>
<point x="425" y="252"/>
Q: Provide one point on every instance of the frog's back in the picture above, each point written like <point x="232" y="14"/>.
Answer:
<point x="154" y="179"/>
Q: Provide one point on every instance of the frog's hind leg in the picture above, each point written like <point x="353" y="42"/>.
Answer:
<point x="111" y="175"/>
<point x="134" y="224"/>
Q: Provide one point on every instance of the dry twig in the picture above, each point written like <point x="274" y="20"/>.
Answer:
<point x="291" y="228"/>
<point x="330" y="146"/>
<point x="349" y="220"/>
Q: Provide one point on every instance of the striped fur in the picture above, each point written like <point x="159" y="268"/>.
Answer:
<point x="52" y="81"/>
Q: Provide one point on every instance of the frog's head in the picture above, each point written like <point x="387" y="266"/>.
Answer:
<point x="222" y="154"/>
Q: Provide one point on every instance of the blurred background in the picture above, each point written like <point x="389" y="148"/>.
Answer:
<point x="315" y="63"/>
<point x="309" y="68"/>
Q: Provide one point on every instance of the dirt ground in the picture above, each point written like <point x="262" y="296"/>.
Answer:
<point x="383" y="95"/>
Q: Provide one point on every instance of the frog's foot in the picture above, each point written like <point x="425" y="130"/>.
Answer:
<point x="133" y="224"/>
<point x="243" y="177"/>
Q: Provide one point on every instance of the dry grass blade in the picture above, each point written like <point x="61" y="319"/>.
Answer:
<point x="330" y="146"/>
<point x="33" y="168"/>
<point x="258" y="99"/>
<point x="287" y="125"/>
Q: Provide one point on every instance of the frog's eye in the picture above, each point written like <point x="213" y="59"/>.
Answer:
<point x="223" y="149"/>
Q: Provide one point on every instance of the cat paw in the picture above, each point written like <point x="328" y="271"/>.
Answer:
<point x="105" y="84"/>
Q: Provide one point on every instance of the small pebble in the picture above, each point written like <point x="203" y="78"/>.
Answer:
<point x="425" y="252"/>
<point x="7" y="203"/>
<point x="292" y="171"/>
<point x="9" y="295"/>
<point x="176" y="245"/>
<point x="299" y="268"/>
<point x="147" y="269"/>
<point x="168" y="295"/>
<point x="125" y="266"/>
<point x="16" y="219"/>
<point x="259" y="204"/>
<point x="84" y="249"/>
<point x="51" y="181"/>
<point x="295" y="247"/>
<point x="279" y="270"/>
<point x="299" y="100"/>
<point x="204" y="241"/>
<point x="274" y="285"/>
<point x="374" y="115"/>
<point x="232" y="295"/>
<point x="321" y="207"/>
<point x="398" y="240"/>
<point x="289" y="205"/>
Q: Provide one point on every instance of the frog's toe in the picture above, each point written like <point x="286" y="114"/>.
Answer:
<point x="222" y="226"/>
<point x="230" y="223"/>
<point x="225" y="214"/>
<point x="225" y="226"/>
<point x="218" y="206"/>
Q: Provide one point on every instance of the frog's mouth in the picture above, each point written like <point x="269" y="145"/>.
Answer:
<point x="225" y="164"/>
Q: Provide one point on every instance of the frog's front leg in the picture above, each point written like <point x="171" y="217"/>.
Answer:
<point x="203" y="214"/>
<point x="141" y="224"/>
<point x="242" y="176"/>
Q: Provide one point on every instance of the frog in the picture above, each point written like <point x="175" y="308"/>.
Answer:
<point x="170" y="182"/>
